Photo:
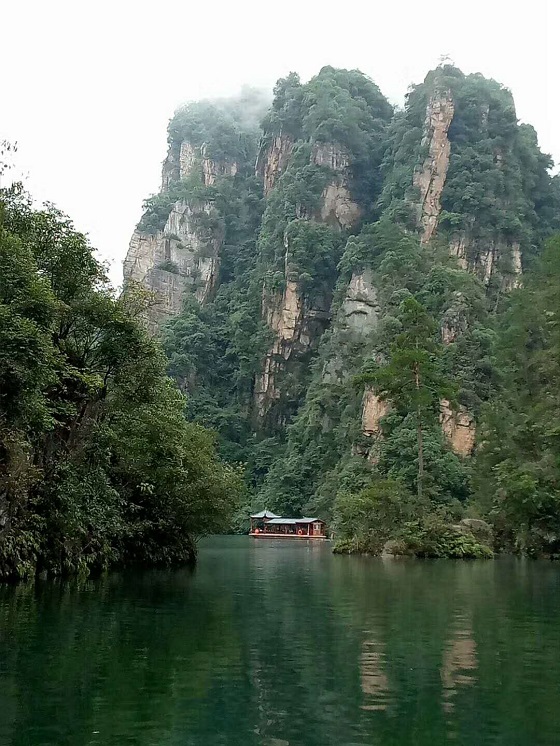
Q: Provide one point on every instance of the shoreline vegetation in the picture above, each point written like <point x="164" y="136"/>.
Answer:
<point x="99" y="467"/>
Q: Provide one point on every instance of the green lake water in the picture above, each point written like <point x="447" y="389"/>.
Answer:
<point x="281" y="643"/>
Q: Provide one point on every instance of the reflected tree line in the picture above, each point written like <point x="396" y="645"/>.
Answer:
<point x="262" y="649"/>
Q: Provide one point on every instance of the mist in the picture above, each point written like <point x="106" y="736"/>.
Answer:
<point x="89" y="90"/>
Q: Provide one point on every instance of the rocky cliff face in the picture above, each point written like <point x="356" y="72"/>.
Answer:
<point x="296" y="321"/>
<point x="481" y="258"/>
<point x="273" y="160"/>
<point x="430" y="179"/>
<point x="177" y="260"/>
<point x="338" y="209"/>
<point x="184" y="257"/>
<point x="360" y="308"/>
<point x="459" y="428"/>
<point x="181" y="258"/>
<point x="297" y="326"/>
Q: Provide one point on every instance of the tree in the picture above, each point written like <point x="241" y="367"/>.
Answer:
<point x="412" y="378"/>
<point x="518" y="467"/>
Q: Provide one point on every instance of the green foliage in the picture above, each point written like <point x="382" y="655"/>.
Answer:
<point x="317" y="463"/>
<point x="97" y="464"/>
<point x="168" y="265"/>
<point x="385" y="517"/>
<point x="412" y="379"/>
<point x="369" y="518"/>
<point x="498" y="190"/>
<point x="517" y="476"/>
<point x="433" y="537"/>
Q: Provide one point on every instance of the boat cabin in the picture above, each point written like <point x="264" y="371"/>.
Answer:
<point x="269" y="525"/>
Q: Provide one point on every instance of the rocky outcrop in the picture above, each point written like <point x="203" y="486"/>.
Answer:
<point x="513" y="279"/>
<point x="485" y="259"/>
<point x="214" y="169"/>
<point x="191" y="157"/>
<point x="458" y="248"/>
<point x="458" y="427"/>
<point x="360" y="308"/>
<point x="296" y="327"/>
<point x="273" y="160"/>
<point x="373" y="410"/>
<point x="283" y="314"/>
<point x="430" y="180"/>
<point x="188" y="156"/>
<point x="182" y="258"/>
<point x="170" y="170"/>
<point x="185" y="255"/>
<point x="338" y="209"/>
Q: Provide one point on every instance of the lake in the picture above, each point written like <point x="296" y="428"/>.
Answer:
<point x="281" y="643"/>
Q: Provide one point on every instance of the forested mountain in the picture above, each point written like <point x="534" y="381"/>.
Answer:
<point x="336" y="291"/>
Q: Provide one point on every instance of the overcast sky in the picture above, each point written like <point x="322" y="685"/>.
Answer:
<point x="88" y="87"/>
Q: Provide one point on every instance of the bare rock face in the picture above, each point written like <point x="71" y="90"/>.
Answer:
<point x="458" y="427"/>
<point x="191" y="158"/>
<point x="373" y="410"/>
<point x="170" y="171"/>
<point x="458" y="248"/>
<point x="181" y="258"/>
<point x="513" y="280"/>
<point x="360" y="308"/>
<point x="184" y="256"/>
<point x="213" y="169"/>
<point x="338" y="209"/>
<point x="358" y="314"/>
<point x="295" y="326"/>
<point x="430" y="180"/>
<point x="273" y="160"/>
<point x="482" y="259"/>
<point x="188" y="158"/>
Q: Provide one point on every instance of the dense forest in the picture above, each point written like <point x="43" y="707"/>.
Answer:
<point x="332" y="307"/>
<point x="98" y="465"/>
<point x="367" y="318"/>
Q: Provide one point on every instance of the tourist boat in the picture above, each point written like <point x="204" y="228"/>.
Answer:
<point x="267" y="525"/>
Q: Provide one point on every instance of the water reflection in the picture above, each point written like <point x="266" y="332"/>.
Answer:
<point x="374" y="681"/>
<point x="285" y="646"/>
<point x="459" y="660"/>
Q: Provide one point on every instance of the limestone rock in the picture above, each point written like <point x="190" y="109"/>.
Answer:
<point x="360" y="308"/>
<point x="481" y="259"/>
<point x="170" y="171"/>
<point x="296" y="327"/>
<point x="214" y="169"/>
<point x="430" y="180"/>
<point x="181" y="258"/>
<point x="373" y="410"/>
<point x="459" y="428"/>
<point x="272" y="161"/>
<point x="481" y="530"/>
<point x="338" y="209"/>
<point x="187" y="159"/>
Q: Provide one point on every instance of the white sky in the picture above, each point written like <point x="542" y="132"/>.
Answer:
<point x="88" y="87"/>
